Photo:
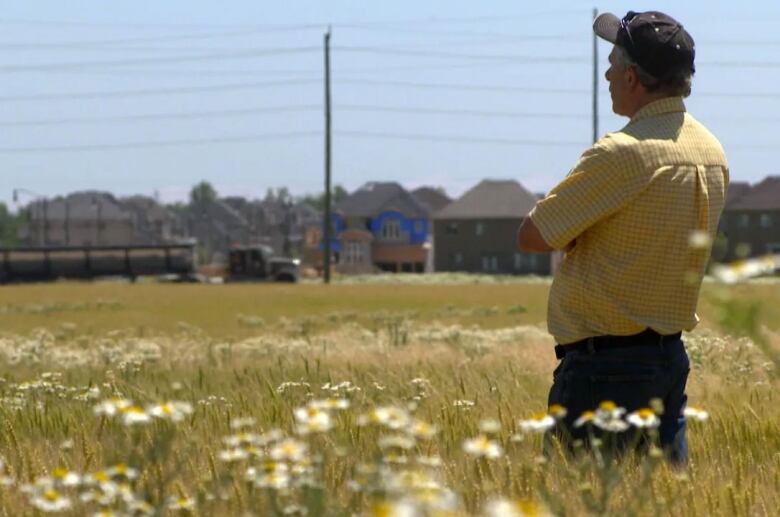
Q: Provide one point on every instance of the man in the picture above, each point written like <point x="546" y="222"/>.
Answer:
<point x="636" y="217"/>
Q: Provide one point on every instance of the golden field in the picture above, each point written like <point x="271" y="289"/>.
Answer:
<point x="351" y="399"/>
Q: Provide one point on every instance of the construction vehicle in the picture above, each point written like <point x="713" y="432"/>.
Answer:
<point x="169" y="261"/>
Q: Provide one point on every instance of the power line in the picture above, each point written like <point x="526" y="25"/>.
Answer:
<point x="98" y="44"/>
<point x="317" y="25"/>
<point x="164" y="143"/>
<point x="159" y="116"/>
<point x="465" y="87"/>
<point x="469" y="113"/>
<point x="452" y="55"/>
<point x="249" y="53"/>
<point x="458" y="139"/>
<point x="157" y="91"/>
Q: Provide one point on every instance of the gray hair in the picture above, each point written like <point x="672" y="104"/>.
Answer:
<point x="676" y="83"/>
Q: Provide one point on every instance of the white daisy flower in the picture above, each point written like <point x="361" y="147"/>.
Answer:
<point x="643" y="418"/>
<point x="174" y="411"/>
<point x="696" y="414"/>
<point x="51" y="501"/>
<point x="538" y="423"/>
<point x="483" y="447"/>
<point x="289" y="450"/>
<point x="135" y="415"/>
<point x="111" y="406"/>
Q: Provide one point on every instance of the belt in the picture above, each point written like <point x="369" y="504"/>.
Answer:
<point x="648" y="337"/>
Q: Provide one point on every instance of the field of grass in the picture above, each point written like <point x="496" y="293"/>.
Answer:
<point x="351" y="399"/>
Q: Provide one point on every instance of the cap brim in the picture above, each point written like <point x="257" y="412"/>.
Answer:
<point x="606" y="26"/>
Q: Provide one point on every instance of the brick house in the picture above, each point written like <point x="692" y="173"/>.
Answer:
<point x="477" y="232"/>
<point x="380" y="227"/>
<point x="88" y="218"/>
<point x="750" y="224"/>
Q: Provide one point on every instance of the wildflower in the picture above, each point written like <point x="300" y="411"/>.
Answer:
<point x="51" y="501"/>
<point x="489" y="426"/>
<point x="396" y="442"/>
<point x="388" y="416"/>
<point x="699" y="239"/>
<point x="272" y="475"/>
<point x="64" y="477"/>
<point x="463" y="403"/>
<point x="240" y="423"/>
<point x="233" y="455"/>
<point x="608" y="410"/>
<point x="312" y="420"/>
<point x="173" y="411"/>
<point x="538" y="423"/>
<point x="329" y="404"/>
<point x="122" y="471"/>
<point x="392" y="509"/>
<point x="135" y="415"/>
<point x="429" y="461"/>
<point x="586" y="417"/>
<point x="481" y="446"/>
<point x="696" y="414"/>
<point x="608" y="417"/>
<point x="420" y="429"/>
<point x="288" y="450"/>
<point x="181" y="503"/>
<point x="644" y="418"/>
<point x="507" y="508"/>
<point x="557" y="411"/>
<point x="112" y="406"/>
<point x="241" y="440"/>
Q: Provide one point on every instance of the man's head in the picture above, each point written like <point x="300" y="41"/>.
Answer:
<point x="653" y="58"/>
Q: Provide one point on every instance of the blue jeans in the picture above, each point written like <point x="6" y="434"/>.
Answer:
<point x="631" y="377"/>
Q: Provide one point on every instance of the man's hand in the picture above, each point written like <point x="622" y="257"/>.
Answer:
<point x="530" y="240"/>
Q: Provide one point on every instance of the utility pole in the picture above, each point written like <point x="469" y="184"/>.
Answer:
<point x="327" y="222"/>
<point x="595" y="81"/>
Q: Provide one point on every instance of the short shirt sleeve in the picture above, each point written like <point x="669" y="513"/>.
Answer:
<point x="600" y="184"/>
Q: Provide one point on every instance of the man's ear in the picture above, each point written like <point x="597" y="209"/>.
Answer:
<point x="632" y="78"/>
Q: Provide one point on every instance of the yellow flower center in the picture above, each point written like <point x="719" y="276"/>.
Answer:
<point x="51" y="495"/>
<point x="607" y="405"/>
<point x="645" y="413"/>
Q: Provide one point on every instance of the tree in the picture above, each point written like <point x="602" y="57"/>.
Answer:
<point x="9" y="226"/>
<point x="203" y="192"/>
<point x="318" y="200"/>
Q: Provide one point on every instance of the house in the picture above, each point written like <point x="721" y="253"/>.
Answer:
<point x="154" y="223"/>
<point x="216" y="226"/>
<point x="280" y="224"/>
<point x="477" y="232"/>
<point x="88" y="218"/>
<point x="433" y="198"/>
<point x="750" y="223"/>
<point x="380" y="227"/>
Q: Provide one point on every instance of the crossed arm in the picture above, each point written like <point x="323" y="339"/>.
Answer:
<point x="529" y="239"/>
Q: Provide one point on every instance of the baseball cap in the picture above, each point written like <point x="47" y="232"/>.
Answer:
<point x="654" y="40"/>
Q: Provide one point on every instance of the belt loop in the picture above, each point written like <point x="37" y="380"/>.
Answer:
<point x="591" y="348"/>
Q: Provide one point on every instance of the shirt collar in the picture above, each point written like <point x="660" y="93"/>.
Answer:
<point x="660" y="107"/>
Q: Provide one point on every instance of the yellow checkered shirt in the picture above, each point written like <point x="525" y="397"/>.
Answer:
<point x="632" y="202"/>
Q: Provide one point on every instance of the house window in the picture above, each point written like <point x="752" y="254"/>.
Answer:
<point x="451" y="229"/>
<point x="743" y="220"/>
<point x="353" y="252"/>
<point x="480" y="228"/>
<point x="766" y="221"/>
<point x="489" y="263"/>
<point x="391" y="229"/>
<point x="456" y="259"/>
<point x="519" y="261"/>
<point x="773" y="248"/>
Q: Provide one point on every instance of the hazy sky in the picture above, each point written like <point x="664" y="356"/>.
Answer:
<point x="152" y="96"/>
